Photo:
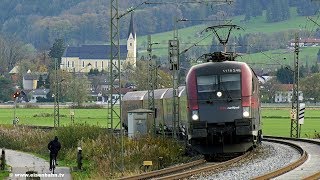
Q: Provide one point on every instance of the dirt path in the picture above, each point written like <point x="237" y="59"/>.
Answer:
<point x="21" y="162"/>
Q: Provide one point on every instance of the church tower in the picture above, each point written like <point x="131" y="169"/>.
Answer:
<point x="131" y="45"/>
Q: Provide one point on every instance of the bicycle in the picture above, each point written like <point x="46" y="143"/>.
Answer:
<point x="53" y="162"/>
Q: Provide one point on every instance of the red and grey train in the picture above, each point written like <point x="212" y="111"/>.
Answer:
<point x="219" y="108"/>
<point x="223" y="107"/>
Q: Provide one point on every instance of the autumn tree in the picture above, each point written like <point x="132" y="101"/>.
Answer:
<point x="73" y="87"/>
<point x="77" y="91"/>
<point x="139" y="76"/>
<point x="268" y="90"/>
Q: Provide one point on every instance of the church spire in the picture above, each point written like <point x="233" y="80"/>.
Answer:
<point x="131" y="29"/>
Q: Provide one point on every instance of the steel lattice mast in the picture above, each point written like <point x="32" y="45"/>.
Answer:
<point x="114" y="68"/>
<point x="294" y="130"/>
<point x="114" y="116"/>
<point x="56" y="110"/>
<point x="175" y="67"/>
<point x="151" y="83"/>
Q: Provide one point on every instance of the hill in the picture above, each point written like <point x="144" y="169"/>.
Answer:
<point x="255" y="26"/>
<point x="40" y="22"/>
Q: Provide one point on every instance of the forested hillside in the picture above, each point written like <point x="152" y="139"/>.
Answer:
<point x="40" y="22"/>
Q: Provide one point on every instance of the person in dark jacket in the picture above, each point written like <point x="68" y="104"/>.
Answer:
<point x="54" y="146"/>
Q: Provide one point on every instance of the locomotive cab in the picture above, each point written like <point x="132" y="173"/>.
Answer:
<point x="223" y="107"/>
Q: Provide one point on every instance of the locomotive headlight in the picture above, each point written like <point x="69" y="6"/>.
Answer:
<point x="195" y="115"/>
<point x="246" y="112"/>
<point x="219" y="94"/>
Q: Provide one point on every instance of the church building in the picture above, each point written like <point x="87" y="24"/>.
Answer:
<point x="86" y="57"/>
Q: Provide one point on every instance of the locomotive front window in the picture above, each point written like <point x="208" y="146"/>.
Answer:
<point x="230" y="81"/>
<point x="228" y="84"/>
<point x="207" y="83"/>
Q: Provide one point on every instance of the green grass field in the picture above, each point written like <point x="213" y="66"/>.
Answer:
<point x="275" y="121"/>
<point x="44" y="117"/>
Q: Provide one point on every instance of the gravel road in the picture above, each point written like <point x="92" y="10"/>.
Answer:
<point x="21" y="162"/>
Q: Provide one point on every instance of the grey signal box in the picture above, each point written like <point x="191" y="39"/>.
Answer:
<point x="139" y="122"/>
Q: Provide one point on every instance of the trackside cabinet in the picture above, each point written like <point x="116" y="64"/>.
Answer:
<point x="139" y="122"/>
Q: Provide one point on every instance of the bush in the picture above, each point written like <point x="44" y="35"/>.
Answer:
<point x="25" y="139"/>
<point x="136" y="151"/>
<point x="90" y="106"/>
<point x="99" y="148"/>
<point x="31" y="106"/>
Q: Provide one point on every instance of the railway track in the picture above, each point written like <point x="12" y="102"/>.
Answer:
<point x="306" y="167"/>
<point x="186" y="170"/>
<point x="302" y="168"/>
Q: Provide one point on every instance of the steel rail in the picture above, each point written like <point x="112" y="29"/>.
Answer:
<point x="315" y="175"/>
<point x="165" y="171"/>
<point x="207" y="168"/>
<point x="291" y="166"/>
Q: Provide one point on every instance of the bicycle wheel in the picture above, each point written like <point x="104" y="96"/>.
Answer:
<point x="53" y="165"/>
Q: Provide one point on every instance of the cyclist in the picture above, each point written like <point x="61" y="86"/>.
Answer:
<point x="54" y="146"/>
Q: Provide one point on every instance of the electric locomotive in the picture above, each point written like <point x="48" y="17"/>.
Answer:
<point x="223" y="107"/>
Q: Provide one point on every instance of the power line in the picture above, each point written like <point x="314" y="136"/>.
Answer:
<point x="193" y="2"/>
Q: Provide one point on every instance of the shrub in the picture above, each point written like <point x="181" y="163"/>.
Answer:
<point x="31" y="106"/>
<point x="90" y="106"/>
<point x="147" y="148"/>
<point x="100" y="149"/>
<point x="72" y="136"/>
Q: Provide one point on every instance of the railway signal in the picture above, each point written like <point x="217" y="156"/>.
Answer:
<point x="16" y="94"/>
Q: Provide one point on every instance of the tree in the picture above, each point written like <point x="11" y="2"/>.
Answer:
<point x="285" y="75"/>
<point x="215" y="45"/>
<point x="268" y="90"/>
<point x="73" y="87"/>
<point x="310" y="87"/>
<point x="140" y="77"/>
<point x="6" y="89"/>
<point x="78" y="91"/>
<point x="278" y="11"/>
<point x="303" y="71"/>
<point x="57" y="50"/>
<point x="12" y="51"/>
<point x="307" y="8"/>
<point x="315" y="68"/>
<point x="253" y="8"/>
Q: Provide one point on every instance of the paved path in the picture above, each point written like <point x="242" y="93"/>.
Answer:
<point x="22" y="162"/>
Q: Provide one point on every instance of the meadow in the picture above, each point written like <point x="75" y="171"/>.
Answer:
<point x="275" y="121"/>
<point x="45" y="117"/>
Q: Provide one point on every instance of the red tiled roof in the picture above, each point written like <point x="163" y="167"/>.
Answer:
<point x="285" y="87"/>
<point x="122" y="90"/>
<point x="307" y="40"/>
